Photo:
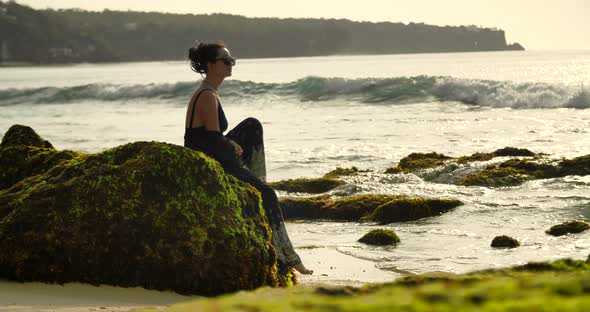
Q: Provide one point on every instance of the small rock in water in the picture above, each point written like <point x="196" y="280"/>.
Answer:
<point x="567" y="228"/>
<point x="504" y="242"/>
<point x="380" y="237"/>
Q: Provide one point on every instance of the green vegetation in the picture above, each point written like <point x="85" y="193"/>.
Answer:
<point x="304" y="185"/>
<point x="419" y="161"/>
<point x="504" y="242"/>
<point x="560" y="286"/>
<point x="338" y="172"/>
<point x="567" y="228"/>
<point x="48" y="36"/>
<point x="366" y="207"/>
<point x="147" y="214"/>
<point x="409" y="209"/>
<point x="380" y="237"/>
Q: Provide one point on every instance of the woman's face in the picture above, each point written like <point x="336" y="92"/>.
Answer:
<point x="223" y="64"/>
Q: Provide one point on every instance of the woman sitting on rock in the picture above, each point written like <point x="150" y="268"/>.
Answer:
<point x="241" y="151"/>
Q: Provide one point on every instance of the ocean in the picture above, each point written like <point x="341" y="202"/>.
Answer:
<point x="367" y="111"/>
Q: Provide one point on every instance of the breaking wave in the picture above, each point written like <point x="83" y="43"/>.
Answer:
<point x="487" y="93"/>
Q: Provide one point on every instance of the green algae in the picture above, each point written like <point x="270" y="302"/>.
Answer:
<point x="147" y="214"/>
<point x="418" y="161"/>
<point x="504" y="241"/>
<point x="568" y="227"/>
<point x="339" y="172"/>
<point x="516" y="171"/>
<point x="409" y="209"/>
<point x="380" y="237"/>
<point x="304" y="185"/>
<point x="564" y="286"/>
<point x="393" y="208"/>
<point x="25" y="136"/>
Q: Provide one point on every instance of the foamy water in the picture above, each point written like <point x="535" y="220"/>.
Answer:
<point x="364" y="111"/>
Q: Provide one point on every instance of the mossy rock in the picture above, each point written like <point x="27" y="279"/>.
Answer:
<point x="339" y="172"/>
<point x="576" y="166"/>
<point x="512" y="289"/>
<point x="568" y="228"/>
<point x="351" y="208"/>
<point x="410" y="209"/>
<point x="418" y="161"/>
<point x="303" y="207"/>
<point x="304" y="185"/>
<point x="496" y="177"/>
<point x="380" y="237"/>
<point x="476" y="157"/>
<point x="516" y="171"/>
<point x="23" y="153"/>
<point x="363" y="208"/>
<point x="25" y="136"/>
<point x="504" y="242"/>
<point x="513" y="151"/>
<point x="147" y="214"/>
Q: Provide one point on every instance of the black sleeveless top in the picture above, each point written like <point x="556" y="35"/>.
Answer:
<point x="212" y="143"/>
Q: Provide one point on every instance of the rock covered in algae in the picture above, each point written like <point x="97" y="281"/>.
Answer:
<point x="305" y="185"/>
<point x="365" y="207"/>
<point x="504" y="242"/>
<point x="380" y="237"/>
<point x="516" y="171"/>
<point x="419" y="161"/>
<point x="145" y="214"/>
<point x="339" y="172"/>
<point x="567" y="228"/>
<point x="23" y="153"/>
<point x="409" y="209"/>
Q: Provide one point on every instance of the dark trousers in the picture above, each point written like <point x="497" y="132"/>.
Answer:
<point x="249" y="135"/>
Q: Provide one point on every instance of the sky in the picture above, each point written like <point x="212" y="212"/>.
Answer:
<point x="536" y="24"/>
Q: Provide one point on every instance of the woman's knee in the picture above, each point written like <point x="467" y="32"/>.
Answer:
<point x="253" y="123"/>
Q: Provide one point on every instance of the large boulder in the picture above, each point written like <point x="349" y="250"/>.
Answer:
<point x="145" y="214"/>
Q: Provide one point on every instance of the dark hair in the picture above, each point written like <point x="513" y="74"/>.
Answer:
<point x="203" y="54"/>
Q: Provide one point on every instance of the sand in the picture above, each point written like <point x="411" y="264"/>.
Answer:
<point x="330" y="267"/>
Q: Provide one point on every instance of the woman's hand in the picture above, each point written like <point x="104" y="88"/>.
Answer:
<point x="237" y="147"/>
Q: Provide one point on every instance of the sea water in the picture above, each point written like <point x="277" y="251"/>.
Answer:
<point x="366" y="111"/>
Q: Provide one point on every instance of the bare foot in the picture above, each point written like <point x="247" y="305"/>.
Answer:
<point x="302" y="269"/>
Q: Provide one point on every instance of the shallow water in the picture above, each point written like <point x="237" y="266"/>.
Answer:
<point x="377" y="110"/>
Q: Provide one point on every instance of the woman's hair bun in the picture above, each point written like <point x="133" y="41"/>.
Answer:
<point x="201" y="55"/>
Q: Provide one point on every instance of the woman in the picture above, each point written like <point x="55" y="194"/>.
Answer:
<point x="242" y="147"/>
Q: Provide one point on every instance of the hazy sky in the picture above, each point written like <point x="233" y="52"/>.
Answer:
<point x="536" y="24"/>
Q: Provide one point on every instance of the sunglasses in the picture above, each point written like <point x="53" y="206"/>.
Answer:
<point x="227" y="60"/>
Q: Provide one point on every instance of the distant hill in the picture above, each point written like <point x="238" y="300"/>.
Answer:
<point x="56" y="36"/>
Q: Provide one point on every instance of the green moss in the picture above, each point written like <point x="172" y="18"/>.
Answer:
<point x="567" y="228"/>
<point x="303" y="185"/>
<point x="516" y="171"/>
<point x="417" y="161"/>
<point x="19" y="135"/>
<point x="147" y="214"/>
<point x="493" y="176"/>
<point x="303" y="207"/>
<point x="380" y="237"/>
<point x="338" y="172"/>
<point x="513" y="151"/>
<point x="364" y="208"/>
<point x="504" y="242"/>
<point x="394" y="170"/>
<point x="476" y="157"/>
<point x="577" y="166"/>
<point x="409" y="209"/>
<point x="353" y="208"/>
<point x="500" y="290"/>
